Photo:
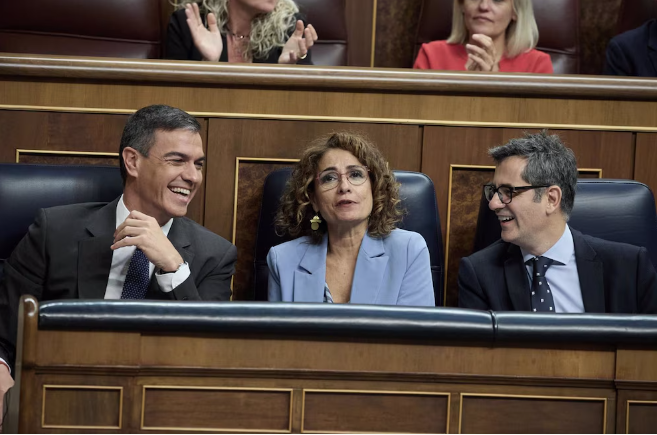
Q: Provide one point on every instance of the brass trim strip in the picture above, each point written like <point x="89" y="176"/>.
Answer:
<point x="522" y="396"/>
<point x="627" y="411"/>
<point x="382" y="392"/>
<point x="63" y="153"/>
<point x="193" y="429"/>
<point x="283" y="117"/>
<point x="373" y="48"/>
<point x="79" y="387"/>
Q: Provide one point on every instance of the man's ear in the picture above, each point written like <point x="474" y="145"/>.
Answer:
<point x="131" y="159"/>
<point x="553" y="194"/>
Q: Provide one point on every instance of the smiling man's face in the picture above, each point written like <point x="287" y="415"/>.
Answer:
<point x="167" y="180"/>
<point x="523" y="220"/>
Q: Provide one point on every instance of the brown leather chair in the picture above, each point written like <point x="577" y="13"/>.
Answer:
<point x="114" y="28"/>
<point x="329" y="17"/>
<point x="633" y="13"/>
<point x="557" y="20"/>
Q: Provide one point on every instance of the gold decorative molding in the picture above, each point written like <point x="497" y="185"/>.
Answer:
<point x="532" y="397"/>
<point x="79" y="387"/>
<point x="381" y="392"/>
<point x="284" y="117"/>
<point x="373" y="48"/>
<point x="627" y="411"/>
<point x="197" y="429"/>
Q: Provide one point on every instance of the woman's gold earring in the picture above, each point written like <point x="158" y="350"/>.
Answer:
<point x="315" y="221"/>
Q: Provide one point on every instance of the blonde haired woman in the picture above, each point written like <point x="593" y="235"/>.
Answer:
<point x="262" y="31"/>
<point x="488" y="35"/>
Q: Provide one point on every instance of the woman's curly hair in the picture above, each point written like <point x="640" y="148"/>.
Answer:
<point x="295" y="210"/>
<point x="268" y="31"/>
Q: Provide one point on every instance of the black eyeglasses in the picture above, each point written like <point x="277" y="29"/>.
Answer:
<point x="506" y="193"/>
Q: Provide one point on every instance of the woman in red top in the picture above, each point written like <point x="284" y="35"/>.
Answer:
<point x="488" y="35"/>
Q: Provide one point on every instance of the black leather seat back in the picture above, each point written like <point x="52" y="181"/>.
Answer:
<point x="24" y="189"/>
<point x="417" y="195"/>
<point x="615" y="210"/>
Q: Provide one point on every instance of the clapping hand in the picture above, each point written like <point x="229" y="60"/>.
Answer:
<point x="299" y="43"/>
<point x="207" y="41"/>
<point x="6" y="382"/>
<point x="482" y="56"/>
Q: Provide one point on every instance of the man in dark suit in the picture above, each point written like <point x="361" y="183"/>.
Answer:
<point x="633" y="53"/>
<point x="138" y="246"/>
<point x="541" y="264"/>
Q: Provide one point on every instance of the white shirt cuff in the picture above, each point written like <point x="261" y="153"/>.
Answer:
<point x="5" y="363"/>
<point x="169" y="281"/>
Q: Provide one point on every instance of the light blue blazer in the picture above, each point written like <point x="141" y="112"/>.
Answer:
<point x="394" y="270"/>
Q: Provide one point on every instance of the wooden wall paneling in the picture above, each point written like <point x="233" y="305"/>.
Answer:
<point x="597" y="25"/>
<point x="645" y="160"/>
<point x="611" y="151"/>
<point x="375" y="411"/>
<point x="636" y="410"/>
<point x="396" y="31"/>
<point x="216" y="409"/>
<point x="360" y="21"/>
<point x="504" y="413"/>
<point x="82" y="407"/>
<point x="268" y="139"/>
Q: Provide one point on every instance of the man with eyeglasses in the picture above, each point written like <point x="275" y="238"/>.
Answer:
<point x="541" y="264"/>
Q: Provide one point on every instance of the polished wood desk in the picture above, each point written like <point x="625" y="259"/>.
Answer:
<point x="296" y="368"/>
<point x="258" y="117"/>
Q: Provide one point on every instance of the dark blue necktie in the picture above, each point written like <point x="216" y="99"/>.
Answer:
<point x="542" y="300"/>
<point x="138" y="278"/>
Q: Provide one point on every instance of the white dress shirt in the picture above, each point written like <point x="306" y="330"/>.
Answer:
<point x="121" y="263"/>
<point x="562" y="276"/>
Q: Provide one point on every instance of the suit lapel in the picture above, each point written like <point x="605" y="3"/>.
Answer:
<point x="179" y="238"/>
<point x="310" y="278"/>
<point x="370" y="270"/>
<point x="517" y="284"/>
<point x="591" y="279"/>
<point x="94" y="253"/>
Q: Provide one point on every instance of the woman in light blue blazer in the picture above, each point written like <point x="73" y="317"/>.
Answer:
<point x="342" y="204"/>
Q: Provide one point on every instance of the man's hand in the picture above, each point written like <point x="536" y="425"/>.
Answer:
<point x="207" y="41"/>
<point x="299" y="43"/>
<point x="482" y="56"/>
<point x="6" y="382"/>
<point x="144" y="232"/>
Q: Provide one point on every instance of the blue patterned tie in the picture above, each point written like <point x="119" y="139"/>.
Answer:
<point x="138" y="278"/>
<point x="542" y="300"/>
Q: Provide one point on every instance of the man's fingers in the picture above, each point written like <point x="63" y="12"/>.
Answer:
<point x="126" y="241"/>
<point x="293" y="57"/>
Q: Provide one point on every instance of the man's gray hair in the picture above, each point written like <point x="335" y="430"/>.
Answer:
<point x="549" y="162"/>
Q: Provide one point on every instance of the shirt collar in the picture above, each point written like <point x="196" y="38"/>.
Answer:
<point x="122" y="213"/>
<point x="561" y="252"/>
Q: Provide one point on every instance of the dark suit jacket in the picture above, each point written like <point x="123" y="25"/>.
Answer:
<point x="634" y="53"/>
<point x="614" y="278"/>
<point x="66" y="255"/>
<point x="180" y="45"/>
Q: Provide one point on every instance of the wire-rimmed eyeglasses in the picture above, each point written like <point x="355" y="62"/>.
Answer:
<point x="506" y="193"/>
<point x="330" y="178"/>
